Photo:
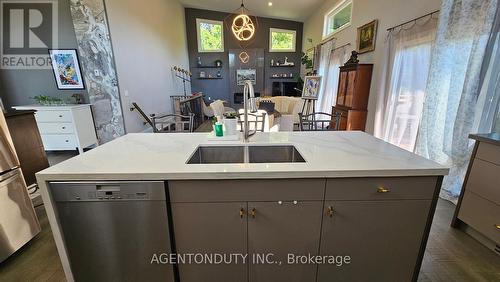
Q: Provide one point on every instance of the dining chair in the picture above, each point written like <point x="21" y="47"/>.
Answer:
<point x="319" y="121"/>
<point x="171" y="123"/>
<point x="255" y="121"/>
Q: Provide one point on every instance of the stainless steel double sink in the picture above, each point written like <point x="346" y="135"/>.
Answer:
<point x="245" y="154"/>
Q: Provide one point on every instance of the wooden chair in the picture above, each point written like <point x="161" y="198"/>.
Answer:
<point x="172" y="123"/>
<point x="326" y="121"/>
<point x="257" y="120"/>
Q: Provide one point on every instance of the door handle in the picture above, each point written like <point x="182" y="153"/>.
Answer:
<point x="242" y="212"/>
<point x="497" y="226"/>
<point x="330" y="211"/>
<point x="253" y="213"/>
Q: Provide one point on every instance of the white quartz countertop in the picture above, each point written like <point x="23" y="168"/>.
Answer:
<point x="147" y="156"/>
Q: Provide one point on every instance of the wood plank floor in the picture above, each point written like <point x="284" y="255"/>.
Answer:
<point x="451" y="255"/>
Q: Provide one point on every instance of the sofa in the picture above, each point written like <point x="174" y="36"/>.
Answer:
<point x="289" y="108"/>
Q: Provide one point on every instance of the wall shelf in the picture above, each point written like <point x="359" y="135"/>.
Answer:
<point x="208" y="67"/>
<point x="210" y="77"/>
<point x="281" y="66"/>
<point x="288" y="77"/>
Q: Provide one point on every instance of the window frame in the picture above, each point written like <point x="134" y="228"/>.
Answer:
<point x="331" y="14"/>
<point x="281" y="30"/>
<point x="198" y="35"/>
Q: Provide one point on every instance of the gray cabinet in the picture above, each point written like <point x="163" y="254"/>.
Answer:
<point x="382" y="239"/>
<point x="254" y="217"/>
<point x="283" y="228"/>
<point x="380" y="223"/>
<point x="211" y="228"/>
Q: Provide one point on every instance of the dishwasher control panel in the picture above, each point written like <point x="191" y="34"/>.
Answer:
<point x="114" y="191"/>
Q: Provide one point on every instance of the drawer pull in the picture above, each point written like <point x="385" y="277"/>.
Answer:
<point x="67" y="141"/>
<point x="383" y="190"/>
<point x="497" y="226"/>
<point x="60" y="116"/>
<point x="242" y="212"/>
<point x="330" y="211"/>
<point x="64" y="127"/>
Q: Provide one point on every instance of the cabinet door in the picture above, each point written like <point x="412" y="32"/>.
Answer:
<point x="283" y="229"/>
<point x="211" y="228"/>
<point x="342" y="88"/>
<point x="382" y="239"/>
<point x="350" y="91"/>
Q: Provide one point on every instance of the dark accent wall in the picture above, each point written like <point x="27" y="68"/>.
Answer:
<point x="18" y="86"/>
<point x="220" y="88"/>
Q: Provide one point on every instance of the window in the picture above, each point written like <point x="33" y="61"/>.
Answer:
<point x="338" y="19"/>
<point x="282" y="40"/>
<point x="210" y="35"/>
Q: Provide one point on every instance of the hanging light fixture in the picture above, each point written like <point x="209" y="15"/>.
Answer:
<point x="242" y="24"/>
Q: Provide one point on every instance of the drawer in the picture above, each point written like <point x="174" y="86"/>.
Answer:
<point x="53" y="116"/>
<point x="488" y="152"/>
<point x="55" y="128"/>
<point x="59" y="142"/>
<point x="375" y="188"/>
<point x="484" y="180"/>
<point x="481" y="214"/>
<point x="246" y="190"/>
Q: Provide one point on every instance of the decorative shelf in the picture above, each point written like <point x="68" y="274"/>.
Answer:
<point x="281" y="66"/>
<point x="208" y="67"/>
<point x="210" y="77"/>
<point x="288" y="77"/>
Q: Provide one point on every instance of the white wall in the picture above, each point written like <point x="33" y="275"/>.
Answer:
<point x="388" y="12"/>
<point x="148" y="39"/>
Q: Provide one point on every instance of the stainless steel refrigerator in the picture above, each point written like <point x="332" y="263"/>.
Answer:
<point x="18" y="221"/>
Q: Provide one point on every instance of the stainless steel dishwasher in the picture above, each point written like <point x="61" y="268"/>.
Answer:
<point x="112" y="229"/>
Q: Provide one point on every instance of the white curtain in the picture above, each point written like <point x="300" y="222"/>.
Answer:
<point x="402" y="91"/>
<point x="453" y="87"/>
<point x="330" y="80"/>
<point x="324" y="69"/>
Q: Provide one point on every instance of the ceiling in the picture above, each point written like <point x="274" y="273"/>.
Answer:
<point x="296" y="10"/>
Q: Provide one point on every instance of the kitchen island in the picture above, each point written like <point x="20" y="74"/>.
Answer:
<point x="302" y="206"/>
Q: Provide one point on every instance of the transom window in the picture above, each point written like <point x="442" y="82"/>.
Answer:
<point x="210" y="35"/>
<point x="338" y="18"/>
<point x="282" y="40"/>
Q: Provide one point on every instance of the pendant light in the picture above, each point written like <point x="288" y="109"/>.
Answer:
<point x="243" y="27"/>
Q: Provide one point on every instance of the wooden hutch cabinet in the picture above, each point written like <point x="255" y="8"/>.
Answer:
<point x="352" y="94"/>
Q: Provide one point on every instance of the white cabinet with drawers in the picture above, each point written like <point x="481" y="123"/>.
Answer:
<point x="66" y="127"/>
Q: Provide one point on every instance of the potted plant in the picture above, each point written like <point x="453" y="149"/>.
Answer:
<point x="48" y="101"/>
<point x="230" y="123"/>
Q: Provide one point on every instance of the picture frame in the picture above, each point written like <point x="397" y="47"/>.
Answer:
<point x="367" y="36"/>
<point x="66" y="69"/>
<point x="312" y="85"/>
<point x="246" y="74"/>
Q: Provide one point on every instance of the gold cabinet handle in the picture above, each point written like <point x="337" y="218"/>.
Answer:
<point x="253" y="212"/>
<point x="497" y="226"/>
<point x="383" y="190"/>
<point x="330" y="211"/>
<point x="242" y="212"/>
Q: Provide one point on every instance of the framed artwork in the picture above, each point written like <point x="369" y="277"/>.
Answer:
<point x="311" y="87"/>
<point x="248" y="74"/>
<point x="66" y="67"/>
<point x="367" y="35"/>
